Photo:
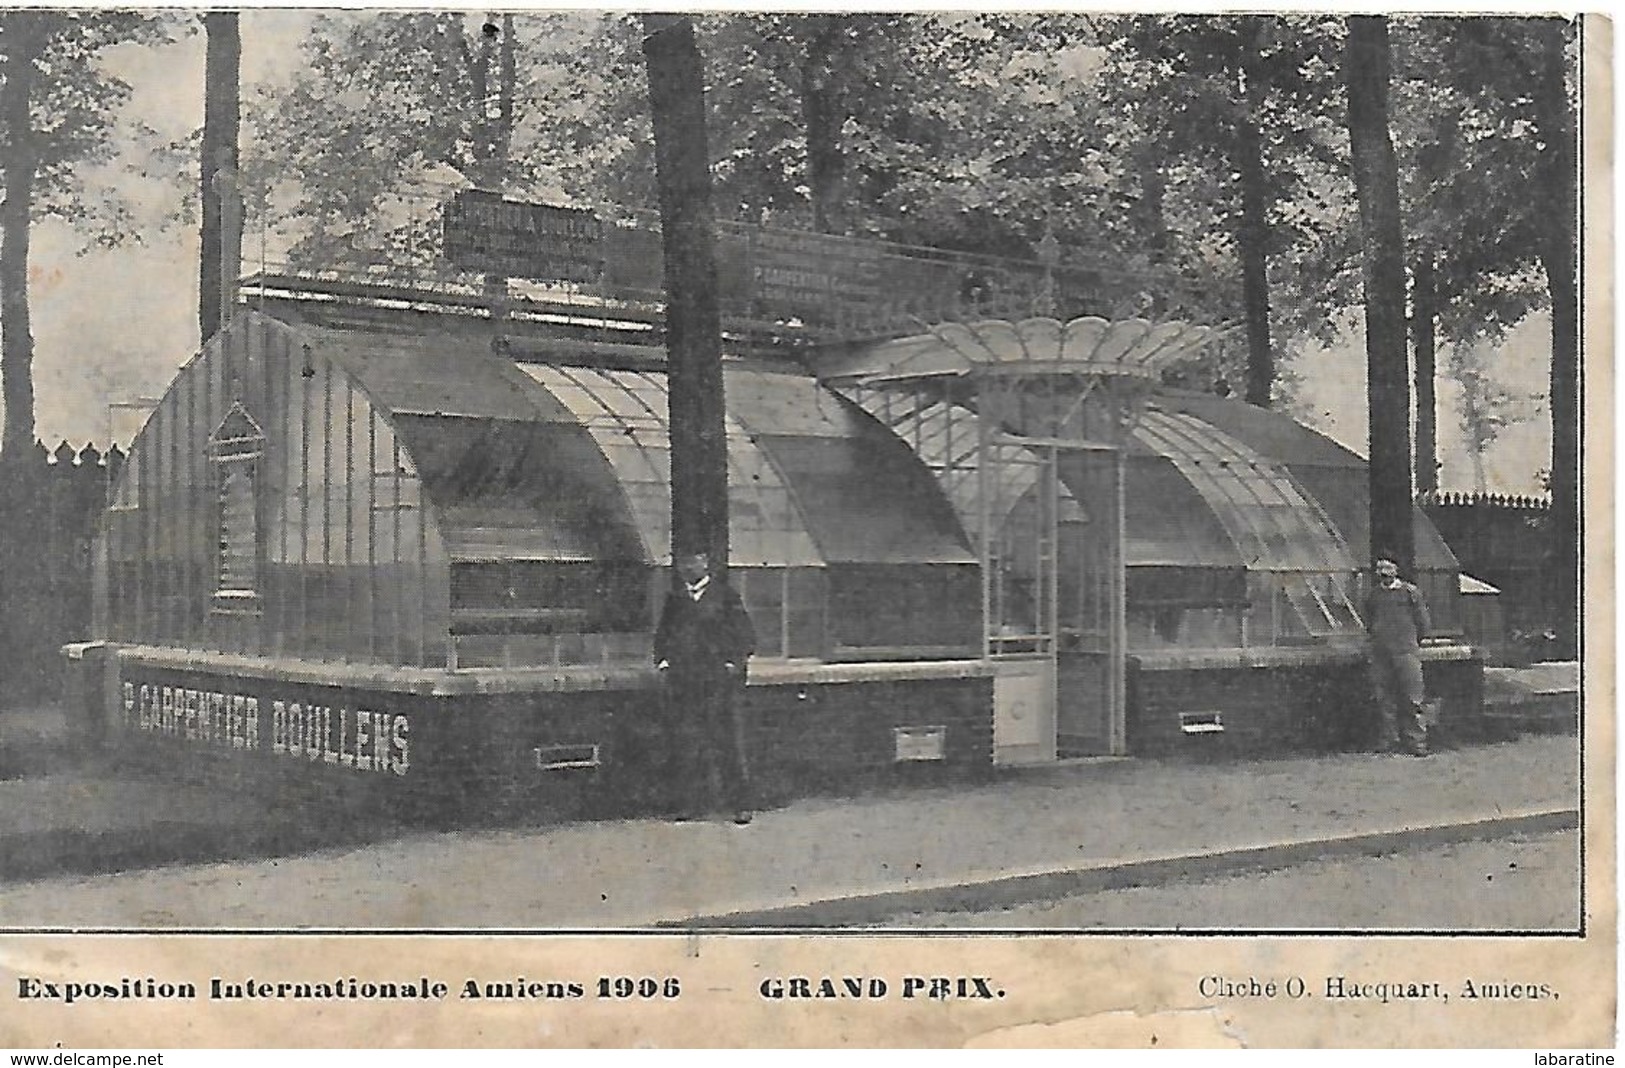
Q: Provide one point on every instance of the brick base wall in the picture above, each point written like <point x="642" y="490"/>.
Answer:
<point x="354" y="754"/>
<point x="1278" y="710"/>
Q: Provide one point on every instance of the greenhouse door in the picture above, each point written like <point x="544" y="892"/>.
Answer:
<point x="1053" y="575"/>
<point x="1090" y="690"/>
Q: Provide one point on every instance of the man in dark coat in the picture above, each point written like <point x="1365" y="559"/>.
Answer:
<point x="701" y="648"/>
<point x="1396" y="616"/>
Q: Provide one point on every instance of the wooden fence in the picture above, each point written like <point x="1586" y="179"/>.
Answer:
<point x="49" y="504"/>
<point x="1503" y="540"/>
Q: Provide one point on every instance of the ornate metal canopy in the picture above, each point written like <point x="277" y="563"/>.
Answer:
<point x="1089" y="347"/>
<point x="1083" y="380"/>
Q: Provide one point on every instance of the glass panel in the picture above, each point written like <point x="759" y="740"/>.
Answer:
<point x="1152" y="627"/>
<point x="1303" y="570"/>
<point x="625" y="412"/>
<point x="945" y="437"/>
<point x="805" y="601"/>
<point x="762" y="590"/>
<point x="126" y="495"/>
<point x="902" y="607"/>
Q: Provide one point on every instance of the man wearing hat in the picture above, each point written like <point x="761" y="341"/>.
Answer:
<point x="1396" y="616"/>
<point x="701" y="646"/>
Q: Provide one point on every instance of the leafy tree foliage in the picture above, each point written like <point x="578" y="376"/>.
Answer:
<point x="388" y="115"/>
<point x="1492" y="208"/>
<point x="904" y="127"/>
<point x="1487" y="406"/>
<point x="1213" y="149"/>
<point x="59" y="116"/>
<point x="1470" y="153"/>
<point x="1246" y="106"/>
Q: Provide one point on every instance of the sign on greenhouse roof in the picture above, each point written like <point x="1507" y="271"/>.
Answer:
<point x="484" y="232"/>
<point x="829" y="284"/>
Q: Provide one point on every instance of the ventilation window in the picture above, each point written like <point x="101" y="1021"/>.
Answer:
<point x="560" y="757"/>
<point x="1201" y="723"/>
<point x="920" y="743"/>
<point x="236" y="447"/>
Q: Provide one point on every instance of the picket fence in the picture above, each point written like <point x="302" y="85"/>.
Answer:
<point x="49" y="503"/>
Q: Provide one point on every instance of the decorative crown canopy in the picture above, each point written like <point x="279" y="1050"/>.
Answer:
<point x="1089" y="347"/>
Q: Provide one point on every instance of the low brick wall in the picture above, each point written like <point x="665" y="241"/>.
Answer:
<point x="518" y="746"/>
<point x="1283" y="701"/>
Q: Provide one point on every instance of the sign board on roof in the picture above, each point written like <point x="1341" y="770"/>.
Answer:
<point x="484" y="232"/>
<point x="807" y="272"/>
<point x="848" y="285"/>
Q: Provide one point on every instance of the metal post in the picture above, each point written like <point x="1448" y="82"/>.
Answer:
<point x="423" y="575"/>
<point x="984" y="479"/>
<point x="1049" y="561"/>
<point x="349" y="513"/>
<point x="265" y="484"/>
<point x="372" y="533"/>
<point x="169" y="534"/>
<point x="189" y="537"/>
<point x="327" y="475"/>
<point x="1119" y="614"/>
<point x="395" y="604"/>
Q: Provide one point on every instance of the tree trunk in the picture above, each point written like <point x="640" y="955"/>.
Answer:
<point x="1558" y="255"/>
<point x="1150" y="209"/>
<point x="1252" y="240"/>
<point x="493" y="72"/>
<point x="493" y="127"/>
<point x="1376" y="180"/>
<point x="479" y="77"/>
<point x="1435" y="161"/>
<point x="699" y="471"/>
<point x="507" y="80"/>
<point x="23" y="39"/>
<point x="220" y="254"/>
<point x="1424" y="313"/>
<point x="823" y="116"/>
<point x="1480" y="483"/>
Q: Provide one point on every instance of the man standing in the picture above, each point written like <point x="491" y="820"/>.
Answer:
<point x="701" y="647"/>
<point x="1397" y="618"/>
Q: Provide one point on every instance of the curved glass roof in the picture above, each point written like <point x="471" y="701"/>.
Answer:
<point x="944" y="436"/>
<point x="532" y="461"/>
<point x="519" y="490"/>
<point x="1166" y="522"/>
<point x="1278" y="529"/>
<point x="1274" y="525"/>
<point x="510" y="474"/>
<point x="1268" y="433"/>
<point x="865" y="496"/>
<point x="550" y="462"/>
<point x="811" y="481"/>
<point x="625" y="412"/>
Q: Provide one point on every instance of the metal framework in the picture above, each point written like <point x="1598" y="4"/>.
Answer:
<point x="1025" y="425"/>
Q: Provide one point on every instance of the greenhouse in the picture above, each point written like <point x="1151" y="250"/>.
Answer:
<point x="992" y="543"/>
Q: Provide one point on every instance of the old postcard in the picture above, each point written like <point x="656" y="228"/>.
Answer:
<point x="992" y="529"/>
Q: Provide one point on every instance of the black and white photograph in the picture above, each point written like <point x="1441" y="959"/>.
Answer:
<point x="771" y="486"/>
